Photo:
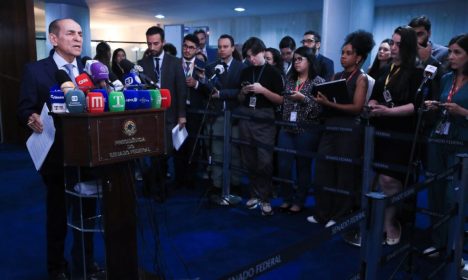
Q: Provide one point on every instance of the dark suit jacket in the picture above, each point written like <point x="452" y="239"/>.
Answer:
<point x="228" y="84"/>
<point x="173" y="79"/>
<point x="38" y="78"/>
<point x="325" y="67"/>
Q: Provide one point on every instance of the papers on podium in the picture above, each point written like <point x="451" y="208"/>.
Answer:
<point x="39" y="144"/>
<point x="178" y="136"/>
<point x="335" y="91"/>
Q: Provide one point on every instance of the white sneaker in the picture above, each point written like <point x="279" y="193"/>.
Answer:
<point x="311" y="219"/>
<point x="330" y="223"/>
<point x="252" y="203"/>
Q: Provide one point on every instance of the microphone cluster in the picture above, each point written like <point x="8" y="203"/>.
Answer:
<point x="97" y="90"/>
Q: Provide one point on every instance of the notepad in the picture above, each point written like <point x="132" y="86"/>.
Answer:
<point x="335" y="91"/>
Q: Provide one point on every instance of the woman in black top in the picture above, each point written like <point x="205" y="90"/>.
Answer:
<point x="299" y="108"/>
<point x="382" y="58"/>
<point x="392" y="106"/>
<point x="262" y="86"/>
<point x="117" y="56"/>
<point x="342" y="175"/>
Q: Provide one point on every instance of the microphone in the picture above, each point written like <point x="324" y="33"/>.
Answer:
<point x="57" y="101"/>
<point x="218" y="70"/>
<point x="84" y="82"/>
<point x="165" y="98"/>
<point x="144" y="99"/>
<point x="129" y="67"/>
<point x="95" y="102"/>
<point x="88" y="64"/>
<point x="100" y="74"/>
<point x="64" y="81"/>
<point x="114" y="82"/>
<point x="429" y="73"/>
<point x="116" y="101"/>
<point x="126" y="65"/>
<point x="155" y="98"/>
<point x="75" y="101"/>
<point x="131" y="99"/>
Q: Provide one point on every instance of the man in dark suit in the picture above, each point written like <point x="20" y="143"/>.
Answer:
<point x="325" y="67"/>
<point x="224" y="96"/>
<point x="210" y="53"/>
<point x="194" y="71"/>
<point x="166" y="70"/>
<point x="66" y="37"/>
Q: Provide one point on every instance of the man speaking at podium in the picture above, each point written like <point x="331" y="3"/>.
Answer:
<point x="65" y="35"/>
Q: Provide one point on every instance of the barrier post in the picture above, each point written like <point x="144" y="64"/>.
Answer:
<point x="367" y="177"/>
<point x="226" y="198"/>
<point x="457" y="221"/>
<point x="372" y="237"/>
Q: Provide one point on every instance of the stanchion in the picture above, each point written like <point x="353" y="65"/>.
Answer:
<point x="456" y="223"/>
<point x="226" y="198"/>
<point x="372" y="250"/>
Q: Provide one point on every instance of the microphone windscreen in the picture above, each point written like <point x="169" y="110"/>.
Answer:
<point x="126" y="65"/>
<point x="155" y="98"/>
<point x="57" y="101"/>
<point x="88" y="64"/>
<point x="116" y="101"/>
<point x="104" y="96"/>
<point x="84" y="82"/>
<point x="99" y="72"/>
<point x="85" y="59"/>
<point x="165" y="98"/>
<point x="95" y="102"/>
<point x="67" y="86"/>
<point x="112" y="76"/>
<point x="75" y="101"/>
<point x="131" y="99"/>
<point x="61" y="76"/>
<point x="144" y="99"/>
<point x="132" y="79"/>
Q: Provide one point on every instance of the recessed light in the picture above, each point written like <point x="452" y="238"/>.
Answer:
<point x="239" y="9"/>
<point x="159" y="16"/>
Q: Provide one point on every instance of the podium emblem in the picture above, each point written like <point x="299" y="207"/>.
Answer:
<point x="129" y="128"/>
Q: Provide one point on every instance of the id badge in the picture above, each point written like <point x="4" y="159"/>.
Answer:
<point x="443" y="128"/>
<point x="253" y="101"/>
<point x="293" y="117"/>
<point x="387" y="96"/>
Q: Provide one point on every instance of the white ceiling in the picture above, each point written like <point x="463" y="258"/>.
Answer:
<point x="141" y="12"/>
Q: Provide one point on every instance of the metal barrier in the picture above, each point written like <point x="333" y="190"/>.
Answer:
<point x="373" y="204"/>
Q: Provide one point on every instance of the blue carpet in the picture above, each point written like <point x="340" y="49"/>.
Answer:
<point x="186" y="237"/>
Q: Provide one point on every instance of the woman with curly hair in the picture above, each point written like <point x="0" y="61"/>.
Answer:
<point x="340" y="175"/>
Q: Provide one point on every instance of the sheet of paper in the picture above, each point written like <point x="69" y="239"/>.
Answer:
<point x="39" y="144"/>
<point x="178" y="136"/>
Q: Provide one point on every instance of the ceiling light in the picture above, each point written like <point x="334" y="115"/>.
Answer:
<point x="159" y="16"/>
<point x="239" y="9"/>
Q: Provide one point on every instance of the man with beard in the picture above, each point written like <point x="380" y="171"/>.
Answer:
<point x="166" y="70"/>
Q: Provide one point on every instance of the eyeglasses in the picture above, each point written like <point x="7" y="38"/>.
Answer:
<point x="308" y="41"/>
<point x="299" y="59"/>
<point x="189" y="47"/>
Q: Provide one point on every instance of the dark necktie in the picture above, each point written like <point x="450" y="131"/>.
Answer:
<point x="187" y="68"/>
<point x="157" y="70"/>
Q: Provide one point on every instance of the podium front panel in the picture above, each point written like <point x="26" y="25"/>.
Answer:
<point x="111" y="137"/>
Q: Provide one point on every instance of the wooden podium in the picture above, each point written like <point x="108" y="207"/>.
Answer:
<point x="108" y="141"/>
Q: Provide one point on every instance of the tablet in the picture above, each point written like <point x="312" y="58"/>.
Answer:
<point x="336" y="91"/>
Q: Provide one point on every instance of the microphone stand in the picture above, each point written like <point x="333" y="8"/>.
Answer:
<point x="420" y="110"/>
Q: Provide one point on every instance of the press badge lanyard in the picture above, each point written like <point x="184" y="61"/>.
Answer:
<point x="444" y="126"/>
<point x="293" y="115"/>
<point x="350" y="76"/>
<point x="386" y="93"/>
<point x="253" y="99"/>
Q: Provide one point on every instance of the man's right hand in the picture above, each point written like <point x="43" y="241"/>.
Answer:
<point x="35" y="123"/>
